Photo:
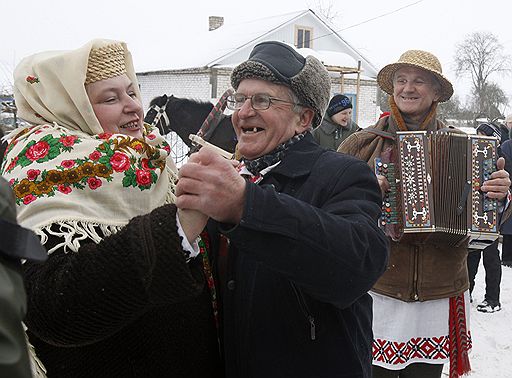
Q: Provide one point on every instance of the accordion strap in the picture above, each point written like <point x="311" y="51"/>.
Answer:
<point x="381" y="133"/>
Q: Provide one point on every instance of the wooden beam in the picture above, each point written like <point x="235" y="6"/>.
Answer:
<point x="358" y="86"/>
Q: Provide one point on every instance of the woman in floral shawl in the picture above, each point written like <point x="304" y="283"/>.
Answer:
<point x="123" y="293"/>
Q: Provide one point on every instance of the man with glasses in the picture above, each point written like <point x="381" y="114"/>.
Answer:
<point x="299" y="226"/>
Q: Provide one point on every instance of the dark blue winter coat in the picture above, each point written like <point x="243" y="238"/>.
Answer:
<point x="300" y="263"/>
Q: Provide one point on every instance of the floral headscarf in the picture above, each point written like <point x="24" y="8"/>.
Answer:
<point x="64" y="170"/>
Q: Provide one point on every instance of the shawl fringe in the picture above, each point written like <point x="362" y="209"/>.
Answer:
<point x="72" y="232"/>
<point x="36" y="366"/>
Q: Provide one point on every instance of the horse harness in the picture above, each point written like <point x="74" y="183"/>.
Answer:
<point x="207" y="128"/>
<point x="212" y="119"/>
<point x="159" y="112"/>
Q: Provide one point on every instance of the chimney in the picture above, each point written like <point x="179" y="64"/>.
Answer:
<point x="215" y="22"/>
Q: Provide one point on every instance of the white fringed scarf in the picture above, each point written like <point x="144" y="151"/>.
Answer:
<point x="90" y="186"/>
<point x="64" y="170"/>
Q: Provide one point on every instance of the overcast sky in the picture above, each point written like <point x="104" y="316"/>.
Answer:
<point x="379" y="30"/>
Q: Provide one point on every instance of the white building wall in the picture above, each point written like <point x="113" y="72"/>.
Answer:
<point x="195" y="85"/>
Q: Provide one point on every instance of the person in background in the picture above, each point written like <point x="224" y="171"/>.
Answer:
<point x="508" y="126"/>
<point x="3" y="144"/>
<point x="337" y="123"/>
<point x="490" y="252"/>
<point x="17" y="243"/>
<point x="506" y="227"/>
<point x="304" y="246"/>
<point x="421" y="301"/>
<point x="124" y="292"/>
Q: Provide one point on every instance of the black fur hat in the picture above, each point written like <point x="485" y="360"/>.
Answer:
<point x="280" y="63"/>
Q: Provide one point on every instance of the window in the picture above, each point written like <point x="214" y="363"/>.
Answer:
<point x="304" y="37"/>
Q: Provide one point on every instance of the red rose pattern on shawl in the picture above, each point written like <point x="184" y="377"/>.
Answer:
<point x="110" y="157"/>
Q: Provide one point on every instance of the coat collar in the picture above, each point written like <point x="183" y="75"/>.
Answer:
<point x="300" y="158"/>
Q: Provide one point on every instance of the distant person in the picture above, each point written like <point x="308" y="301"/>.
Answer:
<point x="490" y="252"/>
<point x="337" y="123"/>
<point x="3" y="145"/>
<point x="506" y="228"/>
<point x="16" y="243"/>
<point x="508" y="125"/>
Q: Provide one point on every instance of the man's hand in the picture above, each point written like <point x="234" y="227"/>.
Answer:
<point x="383" y="183"/>
<point x="211" y="184"/>
<point x="499" y="183"/>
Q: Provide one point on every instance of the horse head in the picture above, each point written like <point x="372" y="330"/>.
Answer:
<point x="185" y="116"/>
<point x="157" y="114"/>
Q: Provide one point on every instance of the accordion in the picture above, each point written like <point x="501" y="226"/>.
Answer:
<point x="435" y="180"/>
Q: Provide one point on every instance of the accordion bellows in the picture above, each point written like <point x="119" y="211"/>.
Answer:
<point x="435" y="181"/>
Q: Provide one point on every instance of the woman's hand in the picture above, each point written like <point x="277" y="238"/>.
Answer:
<point x="192" y="223"/>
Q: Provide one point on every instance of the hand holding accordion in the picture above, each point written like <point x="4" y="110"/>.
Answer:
<point x="435" y="187"/>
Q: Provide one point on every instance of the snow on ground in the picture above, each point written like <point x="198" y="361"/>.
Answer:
<point x="491" y="333"/>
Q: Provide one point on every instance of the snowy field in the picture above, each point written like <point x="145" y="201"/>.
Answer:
<point x="491" y="356"/>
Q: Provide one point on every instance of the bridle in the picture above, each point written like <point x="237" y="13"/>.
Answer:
<point x="213" y="119"/>
<point x="157" y="112"/>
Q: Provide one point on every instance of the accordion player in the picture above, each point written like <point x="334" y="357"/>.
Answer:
<point x="435" y="180"/>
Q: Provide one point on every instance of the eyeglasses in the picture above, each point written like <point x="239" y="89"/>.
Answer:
<point x="259" y="101"/>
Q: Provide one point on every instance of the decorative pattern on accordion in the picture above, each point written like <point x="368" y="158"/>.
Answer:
<point x="391" y="217"/>
<point x="483" y="209"/>
<point x="415" y="180"/>
<point x="435" y="181"/>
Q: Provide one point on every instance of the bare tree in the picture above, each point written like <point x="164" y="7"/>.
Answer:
<point x="383" y="100"/>
<point x="326" y="10"/>
<point x="450" y="109"/>
<point x="493" y="99"/>
<point x="480" y="55"/>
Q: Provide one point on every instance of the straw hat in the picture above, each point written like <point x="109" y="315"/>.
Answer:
<point x="419" y="59"/>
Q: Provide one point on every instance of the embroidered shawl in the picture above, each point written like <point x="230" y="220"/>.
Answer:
<point x="64" y="170"/>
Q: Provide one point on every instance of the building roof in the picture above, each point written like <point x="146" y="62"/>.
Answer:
<point x="231" y="43"/>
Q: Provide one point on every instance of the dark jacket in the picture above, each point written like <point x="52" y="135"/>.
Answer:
<point x="330" y="134"/>
<point x="16" y="243"/>
<point x="300" y="264"/>
<point x="504" y="133"/>
<point x="506" y="152"/>
<point x="129" y="306"/>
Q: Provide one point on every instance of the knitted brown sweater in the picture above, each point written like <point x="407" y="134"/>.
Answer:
<point x="130" y="306"/>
